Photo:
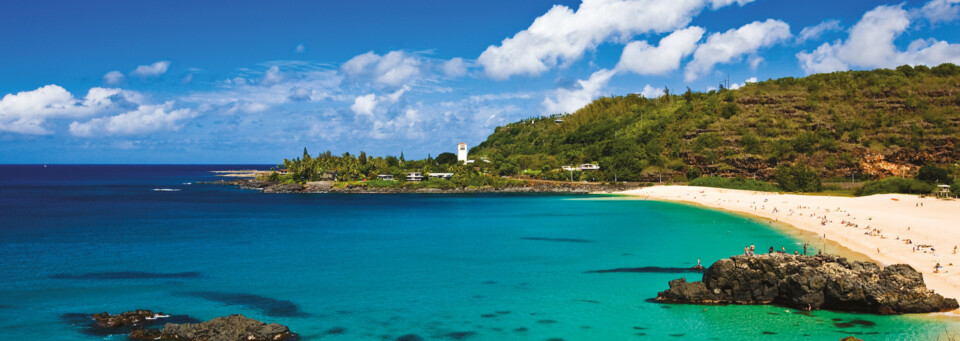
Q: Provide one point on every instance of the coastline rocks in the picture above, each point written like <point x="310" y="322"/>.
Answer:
<point x="329" y="187"/>
<point x="229" y="328"/>
<point x="810" y="282"/>
<point x="127" y="319"/>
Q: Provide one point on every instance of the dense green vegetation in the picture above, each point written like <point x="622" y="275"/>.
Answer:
<point x="870" y="124"/>
<point x="895" y="185"/>
<point x="735" y="183"/>
<point x="362" y="170"/>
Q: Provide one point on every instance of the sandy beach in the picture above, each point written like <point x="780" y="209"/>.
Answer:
<point x="888" y="228"/>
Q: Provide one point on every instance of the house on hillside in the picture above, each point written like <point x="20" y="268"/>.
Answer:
<point x="385" y="177"/>
<point x="440" y="175"/>
<point x="588" y="166"/>
<point x="414" y="176"/>
<point x="282" y="171"/>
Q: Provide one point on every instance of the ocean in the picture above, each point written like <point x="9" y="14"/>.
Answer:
<point x="81" y="239"/>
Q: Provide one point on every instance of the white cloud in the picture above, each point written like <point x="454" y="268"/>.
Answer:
<point x="147" y="118"/>
<point x="455" y="67"/>
<point x="755" y="62"/>
<point x="731" y="45"/>
<point x="814" y="32"/>
<point x="641" y="58"/>
<point x="113" y="77"/>
<point x="716" y="4"/>
<point x="187" y="79"/>
<point x="405" y="125"/>
<point x="651" y="92"/>
<point x="300" y="94"/>
<point x="750" y="80"/>
<point x="937" y="11"/>
<point x="300" y="49"/>
<point x="870" y="44"/>
<point x="272" y="76"/>
<point x="364" y="105"/>
<point x="152" y="70"/>
<point x="562" y="35"/>
<point x="569" y="100"/>
<point x="27" y="112"/>
<point x="395" y="68"/>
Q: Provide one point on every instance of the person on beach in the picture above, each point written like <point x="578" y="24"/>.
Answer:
<point x="804" y="249"/>
<point x="771" y="250"/>
<point x="936" y="268"/>
<point x="819" y="252"/>
<point x="753" y="249"/>
<point x="783" y="250"/>
<point x="746" y="250"/>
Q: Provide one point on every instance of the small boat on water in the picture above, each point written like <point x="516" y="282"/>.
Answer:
<point x="166" y="189"/>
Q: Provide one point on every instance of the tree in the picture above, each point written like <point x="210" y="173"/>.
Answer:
<point x="362" y="158"/>
<point x="446" y="159"/>
<point x="798" y="178"/>
<point x="934" y="174"/>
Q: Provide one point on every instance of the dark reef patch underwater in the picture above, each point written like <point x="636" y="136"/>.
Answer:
<point x="266" y="305"/>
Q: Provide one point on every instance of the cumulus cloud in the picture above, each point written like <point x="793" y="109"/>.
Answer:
<point x="272" y="76"/>
<point x="731" y="45"/>
<point x="364" y="105"/>
<point x="870" y="44"/>
<point x="395" y="68"/>
<point x="367" y="104"/>
<point x="298" y="94"/>
<point x="569" y="100"/>
<point x="641" y="58"/>
<point x="455" y="67"/>
<point x="937" y="11"/>
<point x="152" y="70"/>
<point x="814" y="32"/>
<point x="27" y="112"/>
<point x="300" y="49"/>
<point x="147" y="118"/>
<point x="562" y="35"/>
<point x="113" y="77"/>
<point x="651" y="92"/>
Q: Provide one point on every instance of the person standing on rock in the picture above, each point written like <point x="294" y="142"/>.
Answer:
<point x="804" y="249"/>
<point x="771" y="250"/>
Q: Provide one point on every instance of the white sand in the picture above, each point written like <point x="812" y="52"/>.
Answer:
<point x="936" y="223"/>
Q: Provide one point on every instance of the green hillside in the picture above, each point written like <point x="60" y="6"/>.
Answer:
<point x="870" y="124"/>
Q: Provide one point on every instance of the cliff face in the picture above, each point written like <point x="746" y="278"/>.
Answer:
<point x="811" y="282"/>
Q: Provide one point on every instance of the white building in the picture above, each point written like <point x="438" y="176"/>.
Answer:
<point x="589" y="166"/>
<point x="462" y="152"/>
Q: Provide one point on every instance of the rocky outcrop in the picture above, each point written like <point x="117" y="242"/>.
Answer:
<point x="128" y="319"/>
<point x="810" y="282"/>
<point x="142" y="325"/>
<point x="229" y="328"/>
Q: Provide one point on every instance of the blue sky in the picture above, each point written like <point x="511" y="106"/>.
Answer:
<point x="254" y="82"/>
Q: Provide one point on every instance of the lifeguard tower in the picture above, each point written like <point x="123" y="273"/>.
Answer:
<point x="943" y="191"/>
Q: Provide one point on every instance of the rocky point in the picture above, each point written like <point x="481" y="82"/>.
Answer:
<point x="810" y="283"/>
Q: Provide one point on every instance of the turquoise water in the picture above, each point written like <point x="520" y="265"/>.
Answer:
<point x="475" y="267"/>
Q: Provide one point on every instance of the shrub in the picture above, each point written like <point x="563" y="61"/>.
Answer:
<point x="734" y="183"/>
<point x="798" y="178"/>
<point x="895" y="185"/>
<point x="934" y="174"/>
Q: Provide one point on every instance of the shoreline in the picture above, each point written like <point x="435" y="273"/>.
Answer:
<point x="333" y="187"/>
<point x="939" y="224"/>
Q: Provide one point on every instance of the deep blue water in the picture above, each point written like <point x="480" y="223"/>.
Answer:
<point x="86" y="239"/>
